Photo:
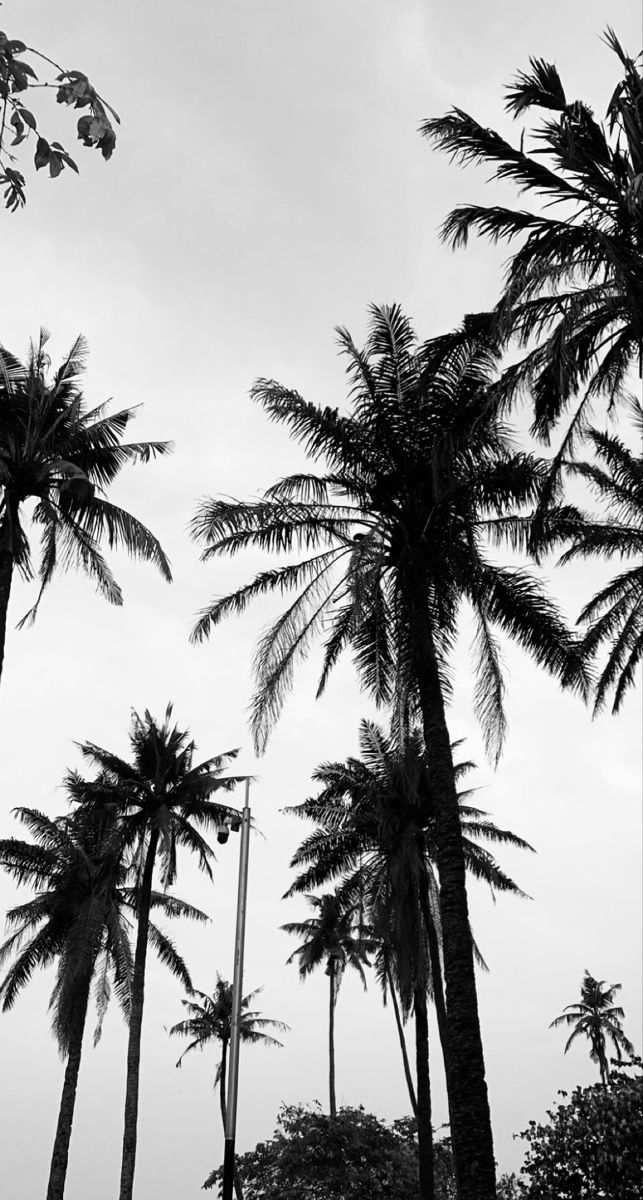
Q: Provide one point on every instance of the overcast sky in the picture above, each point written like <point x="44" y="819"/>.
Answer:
<point x="269" y="183"/>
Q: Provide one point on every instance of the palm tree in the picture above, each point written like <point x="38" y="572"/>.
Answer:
<point x="76" y="918"/>
<point x="374" y="828"/>
<point x="332" y="938"/>
<point x="394" y="544"/>
<point x="597" y="1018"/>
<point x="210" y="1020"/>
<point x="163" y="798"/>
<point x="615" y="614"/>
<point x="56" y="453"/>
<point x="575" y="283"/>
<point x="79" y="919"/>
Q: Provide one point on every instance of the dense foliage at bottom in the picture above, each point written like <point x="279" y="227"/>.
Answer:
<point x="592" y="1146"/>
<point x="315" y="1157"/>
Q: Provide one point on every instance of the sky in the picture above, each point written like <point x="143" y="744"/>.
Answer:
<point x="268" y="184"/>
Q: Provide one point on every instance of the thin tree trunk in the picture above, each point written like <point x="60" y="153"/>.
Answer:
<point x="331" y="1041"/>
<point x="603" y="1065"/>
<point x="60" y="1155"/>
<point x="425" y="1125"/>
<point x="6" y="575"/>
<point x="436" y="976"/>
<point x="136" y="1022"/>
<point x="238" y="1191"/>
<point x="222" y="1083"/>
<point x="400" y="1030"/>
<point x="469" y="1103"/>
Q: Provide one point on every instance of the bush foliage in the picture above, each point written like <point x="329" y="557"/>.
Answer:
<point x="314" y="1157"/>
<point x="592" y="1147"/>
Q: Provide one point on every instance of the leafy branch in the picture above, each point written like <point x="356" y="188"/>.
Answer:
<point x="95" y="127"/>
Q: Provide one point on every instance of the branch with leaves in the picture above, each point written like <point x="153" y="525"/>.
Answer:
<point x="95" y="127"/>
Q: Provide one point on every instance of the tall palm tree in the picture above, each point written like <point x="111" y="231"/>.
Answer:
<point x="79" y="919"/>
<point x="393" y="546"/>
<point x="331" y="938"/>
<point x="210" y="1020"/>
<point x="374" y="823"/>
<point x="63" y="458"/>
<point x="575" y="283"/>
<point x="614" y="616"/>
<point x="163" y="799"/>
<point x="597" y="1018"/>
<point x="76" y="918"/>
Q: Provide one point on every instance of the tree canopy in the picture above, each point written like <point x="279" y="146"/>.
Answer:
<point x="574" y="284"/>
<point x="311" y="1157"/>
<point x="591" y="1146"/>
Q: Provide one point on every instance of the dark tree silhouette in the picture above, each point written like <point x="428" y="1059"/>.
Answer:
<point x="57" y="454"/>
<point x="210" y="1020"/>
<point x="597" y="1018"/>
<point x="163" y="798"/>
<point x="18" y="76"/>
<point x="575" y="285"/>
<point x="374" y="820"/>
<point x="614" y="616"/>
<point x="393" y="544"/>
<point x="331" y="939"/>
<point x="80" y="918"/>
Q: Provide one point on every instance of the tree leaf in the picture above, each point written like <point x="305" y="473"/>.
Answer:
<point x="43" y="152"/>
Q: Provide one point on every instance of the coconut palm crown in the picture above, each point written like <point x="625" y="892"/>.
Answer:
<point x="63" y="457"/>
<point x="576" y="282"/>
<point x="368" y="807"/>
<point x="597" y="1018"/>
<point x="409" y="476"/>
<point x="210" y="1020"/>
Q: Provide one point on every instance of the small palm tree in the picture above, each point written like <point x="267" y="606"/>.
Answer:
<point x="575" y="282"/>
<point x="210" y="1020"/>
<point x="81" y="919"/>
<point x="56" y="453"/>
<point x="164" y="801"/>
<point x="597" y="1018"/>
<point x="331" y="938"/>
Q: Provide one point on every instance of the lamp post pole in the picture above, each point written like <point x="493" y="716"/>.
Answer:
<point x="237" y="987"/>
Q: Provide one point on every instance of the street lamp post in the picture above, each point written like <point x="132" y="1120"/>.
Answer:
<point x="237" y="988"/>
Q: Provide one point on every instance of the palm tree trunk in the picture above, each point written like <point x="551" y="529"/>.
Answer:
<point x="400" y="1030"/>
<point x="331" y="1041"/>
<point x="469" y="1103"/>
<point x="222" y="1082"/>
<point x="136" y="1022"/>
<point x="60" y="1155"/>
<point x="436" y="976"/>
<point x="425" y="1125"/>
<point x="603" y="1065"/>
<point x="6" y="575"/>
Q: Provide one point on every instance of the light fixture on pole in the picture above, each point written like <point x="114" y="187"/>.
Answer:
<point x="237" y="986"/>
